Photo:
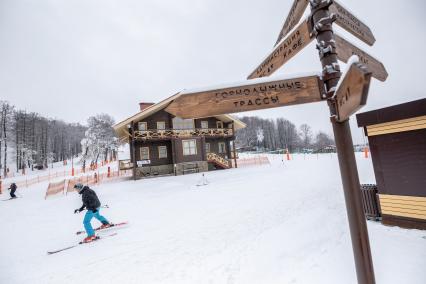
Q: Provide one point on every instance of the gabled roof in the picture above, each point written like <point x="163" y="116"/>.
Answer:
<point x="121" y="127"/>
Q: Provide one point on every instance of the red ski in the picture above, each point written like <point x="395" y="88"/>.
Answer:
<point x="103" y="229"/>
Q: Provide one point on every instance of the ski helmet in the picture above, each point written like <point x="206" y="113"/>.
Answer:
<point x="78" y="186"/>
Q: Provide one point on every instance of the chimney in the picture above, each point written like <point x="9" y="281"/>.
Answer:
<point x="144" y="105"/>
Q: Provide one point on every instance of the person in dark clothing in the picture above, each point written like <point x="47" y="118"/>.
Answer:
<point x="12" y="189"/>
<point x="92" y="204"/>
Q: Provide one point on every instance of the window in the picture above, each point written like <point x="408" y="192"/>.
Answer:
<point x="189" y="147"/>
<point x="219" y="124"/>
<point x="207" y="147"/>
<point x="144" y="152"/>
<point x="222" y="148"/>
<point x="162" y="152"/>
<point x="179" y="123"/>
<point x="142" y="126"/>
<point x="161" y="125"/>
<point x="204" y="124"/>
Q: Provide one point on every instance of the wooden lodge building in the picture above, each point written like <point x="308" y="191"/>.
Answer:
<point x="161" y="143"/>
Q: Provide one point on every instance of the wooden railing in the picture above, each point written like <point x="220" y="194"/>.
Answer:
<point x="182" y="133"/>
<point x="215" y="158"/>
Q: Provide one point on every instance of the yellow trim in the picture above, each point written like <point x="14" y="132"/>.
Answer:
<point x="402" y="125"/>
<point x="405" y="206"/>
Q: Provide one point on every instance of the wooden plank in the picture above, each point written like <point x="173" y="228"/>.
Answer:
<point x="404" y="214"/>
<point x="293" y="17"/>
<point x="352" y="91"/>
<point x="402" y="197"/>
<point x="402" y="125"/>
<point x="253" y="95"/>
<point x="417" y="207"/>
<point x="352" y="24"/>
<point x="283" y="52"/>
<point x="392" y="202"/>
<point x="345" y="50"/>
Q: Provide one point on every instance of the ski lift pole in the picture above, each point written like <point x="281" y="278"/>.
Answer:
<point x="321" y="21"/>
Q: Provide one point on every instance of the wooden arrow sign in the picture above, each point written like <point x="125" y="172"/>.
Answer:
<point x="352" y="91"/>
<point x="289" y="47"/>
<point x="293" y="17"/>
<point x="352" y="24"/>
<point x="345" y="50"/>
<point x="247" y="96"/>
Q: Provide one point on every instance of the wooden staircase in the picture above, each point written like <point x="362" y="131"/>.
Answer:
<point x="218" y="161"/>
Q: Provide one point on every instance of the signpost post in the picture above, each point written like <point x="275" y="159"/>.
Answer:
<point x="344" y="95"/>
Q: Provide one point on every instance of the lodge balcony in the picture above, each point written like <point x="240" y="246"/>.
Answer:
<point x="167" y="134"/>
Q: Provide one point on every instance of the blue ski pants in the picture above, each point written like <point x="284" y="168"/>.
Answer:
<point x="88" y="217"/>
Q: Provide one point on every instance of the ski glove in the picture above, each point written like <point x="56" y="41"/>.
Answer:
<point x="77" y="210"/>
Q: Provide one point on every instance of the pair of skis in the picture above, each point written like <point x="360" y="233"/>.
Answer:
<point x="96" y="239"/>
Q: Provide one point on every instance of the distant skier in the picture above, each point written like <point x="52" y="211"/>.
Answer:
<point x="12" y="189"/>
<point x="92" y="204"/>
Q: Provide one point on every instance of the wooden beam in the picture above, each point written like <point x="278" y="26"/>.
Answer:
<point x="293" y="17"/>
<point x="289" y="47"/>
<point x="254" y="95"/>
<point x="345" y="50"/>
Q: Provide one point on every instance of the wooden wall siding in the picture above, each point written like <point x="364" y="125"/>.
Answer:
<point x="180" y="158"/>
<point x="158" y="116"/>
<point x="404" y="206"/>
<point x="397" y="112"/>
<point x="402" y="125"/>
<point x="399" y="161"/>
<point x="153" y="152"/>
<point x="214" y="146"/>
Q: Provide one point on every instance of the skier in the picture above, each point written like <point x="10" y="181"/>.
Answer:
<point x="92" y="204"/>
<point x="12" y="189"/>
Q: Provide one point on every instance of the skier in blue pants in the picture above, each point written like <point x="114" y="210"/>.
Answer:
<point x="92" y="204"/>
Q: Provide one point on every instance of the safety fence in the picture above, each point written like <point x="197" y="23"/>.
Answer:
<point x="89" y="180"/>
<point x="28" y="181"/>
<point x="255" y="161"/>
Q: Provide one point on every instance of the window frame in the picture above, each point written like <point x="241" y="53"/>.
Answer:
<point x="204" y="122"/>
<point x="219" y="148"/>
<point x="219" y="123"/>
<point x="159" y="156"/>
<point x="182" y="122"/>
<point x="189" y="148"/>
<point x="162" y="122"/>
<point x="207" y="147"/>
<point x="142" y="123"/>
<point x="140" y="153"/>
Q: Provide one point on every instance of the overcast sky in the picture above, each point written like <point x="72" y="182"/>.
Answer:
<point x="72" y="59"/>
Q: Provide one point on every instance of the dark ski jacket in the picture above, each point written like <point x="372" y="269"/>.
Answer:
<point x="90" y="199"/>
<point x="13" y="187"/>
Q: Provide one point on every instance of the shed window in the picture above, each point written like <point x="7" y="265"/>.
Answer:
<point x="142" y="126"/>
<point x="222" y="148"/>
<point x="179" y="123"/>
<point x="161" y="125"/>
<point x="204" y="124"/>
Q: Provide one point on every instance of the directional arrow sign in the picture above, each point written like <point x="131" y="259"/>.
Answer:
<point x="352" y="24"/>
<point x="247" y="96"/>
<point x="352" y="91"/>
<point x="345" y="50"/>
<point x="293" y="17"/>
<point x="289" y="47"/>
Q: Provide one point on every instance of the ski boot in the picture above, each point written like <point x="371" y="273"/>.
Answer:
<point x="89" y="239"/>
<point x="105" y="225"/>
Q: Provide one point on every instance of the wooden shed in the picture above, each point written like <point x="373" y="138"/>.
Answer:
<point x="397" y="139"/>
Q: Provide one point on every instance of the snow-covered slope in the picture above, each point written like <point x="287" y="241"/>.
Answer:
<point x="283" y="223"/>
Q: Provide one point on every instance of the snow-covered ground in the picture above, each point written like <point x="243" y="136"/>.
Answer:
<point x="279" y="223"/>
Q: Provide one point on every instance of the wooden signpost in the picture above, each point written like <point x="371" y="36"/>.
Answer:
<point x="294" y="42"/>
<point x="252" y="95"/>
<point x="344" y="96"/>
<point x="352" y="24"/>
<point x="293" y="17"/>
<point x="352" y="91"/>
<point x="345" y="49"/>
